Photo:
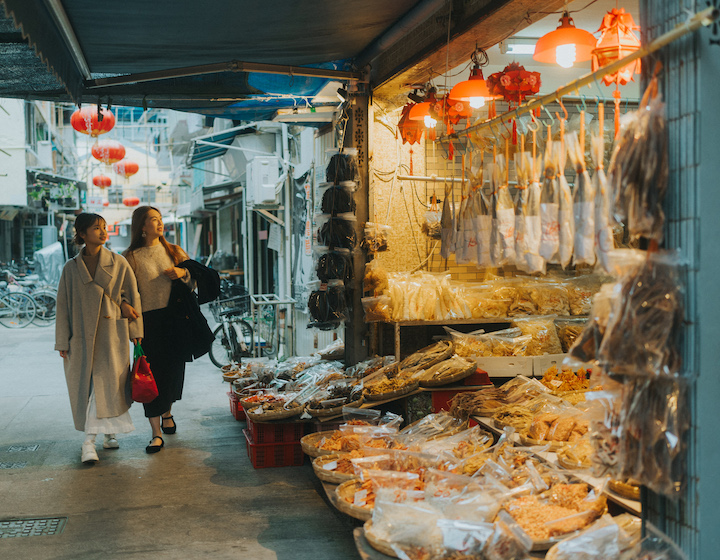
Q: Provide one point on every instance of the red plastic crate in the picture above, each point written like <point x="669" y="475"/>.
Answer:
<point x="441" y="399"/>
<point x="235" y="409"/>
<point x="267" y="455"/>
<point x="480" y="377"/>
<point x="276" y="432"/>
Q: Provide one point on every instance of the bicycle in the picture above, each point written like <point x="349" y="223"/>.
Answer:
<point x="233" y="336"/>
<point x="45" y="296"/>
<point x="17" y="309"/>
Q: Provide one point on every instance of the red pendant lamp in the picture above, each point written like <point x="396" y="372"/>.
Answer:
<point x="102" y="181"/>
<point x="86" y="121"/>
<point x="474" y="90"/>
<point x="126" y="168"/>
<point x="131" y="201"/>
<point x="566" y="45"/>
<point x="425" y="111"/>
<point x="108" y="151"/>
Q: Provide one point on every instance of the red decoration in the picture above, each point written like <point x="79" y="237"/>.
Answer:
<point x="410" y="130"/>
<point x="106" y="203"/>
<point x="514" y="83"/>
<point x="86" y="121"/>
<point x="108" y="151"/>
<point x="131" y="201"/>
<point x="617" y="40"/>
<point x="126" y="168"/>
<point x="102" y="181"/>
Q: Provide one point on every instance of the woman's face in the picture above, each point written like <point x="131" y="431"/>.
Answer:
<point x="96" y="234"/>
<point x="153" y="227"/>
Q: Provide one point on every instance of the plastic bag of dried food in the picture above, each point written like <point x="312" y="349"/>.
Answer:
<point x="484" y="226"/>
<point x="566" y="217"/>
<point x="328" y="306"/>
<point x="550" y="297"/>
<point x="375" y="238"/>
<point x="503" y="234"/>
<point x="606" y="539"/>
<point x="527" y="218"/>
<point x="377" y="309"/>
<point x="544" y="335"/>
<point x="431" y="225"/>
<point x="569" y="330"/>
<point x="550" y="205"/>
<point x="337" y="199"/>
<point x="583" y="204"/>
<point x="376" y="277"/>
<point x="508" y="541"/>
<point x="586" y="345"/>
<point x="638" y="170"/>
<point x="343" y="167"/>
<point x="464" y="537"/>
<point x="604" y="241"/>
<point x="523" y="303"/>
<point x="448" y="224"/>
<point x="337" y="232"/>
<point x="333" y="265"/>
<point x="581" y="291"/>
<point x="533" y="231"/>
<point x="643" y="332"/>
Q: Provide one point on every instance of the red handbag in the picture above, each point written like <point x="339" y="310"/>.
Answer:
<point x="144" y="388"/>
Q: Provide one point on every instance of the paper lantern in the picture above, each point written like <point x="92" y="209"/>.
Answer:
<point x="86" y="121"/>
<point x="126" y="168"/>
<point x="514" y="83"/>
<point x="566" y="45"/>
<point x="131" y="201"/>
<point x="617" y="40"/>
<point x="106" y="203"/>
<point x="102" y="181"/>
<point x="108" y="151"/>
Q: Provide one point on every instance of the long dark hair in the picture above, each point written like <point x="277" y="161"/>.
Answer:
<point x="82" y="223"/>
<point x="136" y="239"/>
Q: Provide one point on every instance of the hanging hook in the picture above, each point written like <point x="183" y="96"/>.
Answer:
<point x="582" y="100"/>
<point x="562" y="106"/>
<point x="552" y="119"/>
<point x="493" y="133"/>
<point x="534" y="122"/>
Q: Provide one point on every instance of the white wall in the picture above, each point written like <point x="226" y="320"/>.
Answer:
<point x="13" y="181"/>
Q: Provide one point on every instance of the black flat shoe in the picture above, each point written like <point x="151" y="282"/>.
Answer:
<point x="155" y="448"/>
<point x="170" y="429"/>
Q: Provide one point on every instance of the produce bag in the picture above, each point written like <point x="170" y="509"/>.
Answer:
<point x="447" y="225"/>
<point x="583" y="205"/>
<point x="638" y="170"/>
<point x="604" y="240"/>
<point x="550" y="205"/>
<point x="375" y="238"/>
<point x="431" y="225"/>
<point x="566" y="217"/>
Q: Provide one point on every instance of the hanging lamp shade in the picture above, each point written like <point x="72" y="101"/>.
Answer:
<point x="86" y="121"/>
<point x="566" y="45"/>
<point x="102" y="181"/>
<point x="421" y="112"/>
<point x="126" y="168"/>
<point x="108" y="151"/>
<point x="617" y="40"/>
<point x="131" y="201"/>
<point x="474" y="90"/>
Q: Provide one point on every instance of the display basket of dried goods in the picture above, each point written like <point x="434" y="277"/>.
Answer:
<point x="448" y="371"/>
<point x="326" y="471"/>
<point x="625" y="489"/>
<point x="270" y="414"/>
<point x="403" y="390"/>
<point x="428" y="356"/>
<point x="512" y="416"/>
<point x="576" y="456"/>
<point x="346" y="495"/>
<point x="378" y="544"/>
<point x="525" y="439"/>
<point x="311" y="444"/>
<point x="335" y="410"/>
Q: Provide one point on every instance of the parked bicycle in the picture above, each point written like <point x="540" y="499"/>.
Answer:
<point x="44" y="296"/>
<point x="17" y="309"/>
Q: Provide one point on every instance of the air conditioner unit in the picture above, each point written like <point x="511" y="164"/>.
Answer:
<point x="44" y="154"/>
<point x="263" y="174"/>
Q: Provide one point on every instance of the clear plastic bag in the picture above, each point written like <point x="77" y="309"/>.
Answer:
<point x="328" y="306"/>
<point x="377" y="309"/>
<point x="604" y="240"/>
<point x="465" y="537"/>
<point x="376" y="277"/>
<point x="333" y="265"/>
<point x="337" y="232"/>
<point x="550" y="206"/>
<point x="336" y="200"/>
<point x="503" y="234"/>
<point x="508" y="541"/>
<point x="566" y="216"/>
<point x="550" y="297"/>
<point x="376" y="237"/>
<point x="544" y="335"/>
<point x="583" y="204"/>
<point x="431" y="226"/>
<point x="447" y="224"/>
<point x="483" y="225"/>
<point x="342" y="167"/>
<point x="604" y="539"/>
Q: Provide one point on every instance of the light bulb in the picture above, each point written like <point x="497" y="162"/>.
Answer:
<point x="565" y="55"/>
<point x="430" y="122"/>
<point x="477" y="102"/>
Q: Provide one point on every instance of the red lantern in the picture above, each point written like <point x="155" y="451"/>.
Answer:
<point x="86" y="121"/>
<point x="131" y="201"/>
<point x="617" y="40"/>
<point x="126" y="168"/>
<point x="108" y="151"/>
<point x="102" y="181"/>
<point x="106" y="203"/>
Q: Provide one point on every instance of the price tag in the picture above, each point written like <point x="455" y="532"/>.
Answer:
<point x="360" y="498"/>
<point x="331" y="466"/>
<point x="556" y="383"/>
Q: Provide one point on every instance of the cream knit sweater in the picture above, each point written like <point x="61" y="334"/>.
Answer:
<point x="154" y="287"/>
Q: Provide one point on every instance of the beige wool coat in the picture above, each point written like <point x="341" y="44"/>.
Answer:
<point x="92" y="330"/>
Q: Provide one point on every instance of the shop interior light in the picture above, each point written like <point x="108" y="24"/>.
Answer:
<point x="566" y="45"/>
<point x="474" y="90"/>
<point x="518" y="45"/>
<point x="421" y="112"/>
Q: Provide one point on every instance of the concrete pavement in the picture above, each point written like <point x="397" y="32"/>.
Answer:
<point x="198" y="498"/>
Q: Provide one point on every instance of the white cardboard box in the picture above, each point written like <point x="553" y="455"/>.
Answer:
<point x="502" y="366"/>
<point x="543" y="363"/>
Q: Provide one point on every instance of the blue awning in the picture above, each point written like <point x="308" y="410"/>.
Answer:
<point x="211" y="146"/>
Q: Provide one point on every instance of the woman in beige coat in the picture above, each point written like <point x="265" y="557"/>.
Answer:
<point x="94" y="326"/>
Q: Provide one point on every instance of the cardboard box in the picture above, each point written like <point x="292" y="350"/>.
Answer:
<point x="543" y="363"/>
<point x="505" y="366"/>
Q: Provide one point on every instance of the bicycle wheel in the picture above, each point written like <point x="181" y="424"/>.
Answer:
<point x="17" y="310"/>
<point x="220" y="353"/>
<point x="46" y="302"/>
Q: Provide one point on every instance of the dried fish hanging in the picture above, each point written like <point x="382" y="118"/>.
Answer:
<point x="505" y="215"/>
<point x="584" y="199"/>
<point x="523" y="180"/>
<point x="469" y="221"/>
<point x="638" y="170"/>
<point x="460" y="246"/>
<point x="447" y="225"/>
<point x="483" y="224"/>
<point x="533" y="223"/>
<point x="565" y="214"/>
<point x="604" y="241"/>
<point x="496" y="246"/>
<point x="549" y="204"/>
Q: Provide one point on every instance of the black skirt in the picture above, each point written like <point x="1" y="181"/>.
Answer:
<point x="166" y="362"/>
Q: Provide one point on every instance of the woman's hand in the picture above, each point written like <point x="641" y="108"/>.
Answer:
<point x="128" y="312"/>
<point x="174" y="273"/>
<point x="63" y="353"/>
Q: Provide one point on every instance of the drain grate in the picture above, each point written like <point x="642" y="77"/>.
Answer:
<point x="36" y="527"/>
<point x="22" y="448"/>
<point x="18" y="465"/>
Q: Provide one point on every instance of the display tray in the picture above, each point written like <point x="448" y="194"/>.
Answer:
<point x="309" y="444"/>
<point x="319" y="412"/>
<point x="393" y="394"/>
<point x="552" y="445"/>
<point x="328" y="475"/>
<point x="565" y="462"/>
<point x="433" y="382"/>
<point x="347" y="490"/>
<point x="629" y="491"/>
<point x="281" y="414"/>
<point x="378" y="544"/>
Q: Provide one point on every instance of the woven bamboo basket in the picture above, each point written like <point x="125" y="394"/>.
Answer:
<point x="392" y="394"/>
<point x="330" y="476"/>
<point x="629" y="491"/>
<point x="280" y="414"/>
<point x="565" y="462"/>
<point x="378" y="544"/>
<point x="320" y="412"/>
<point x="553" y="445"/>
<point x="347" y="490"/>
<point x="309" y="444"/>
<point x="437" y="382"/>
<point x="443" y="355"/>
